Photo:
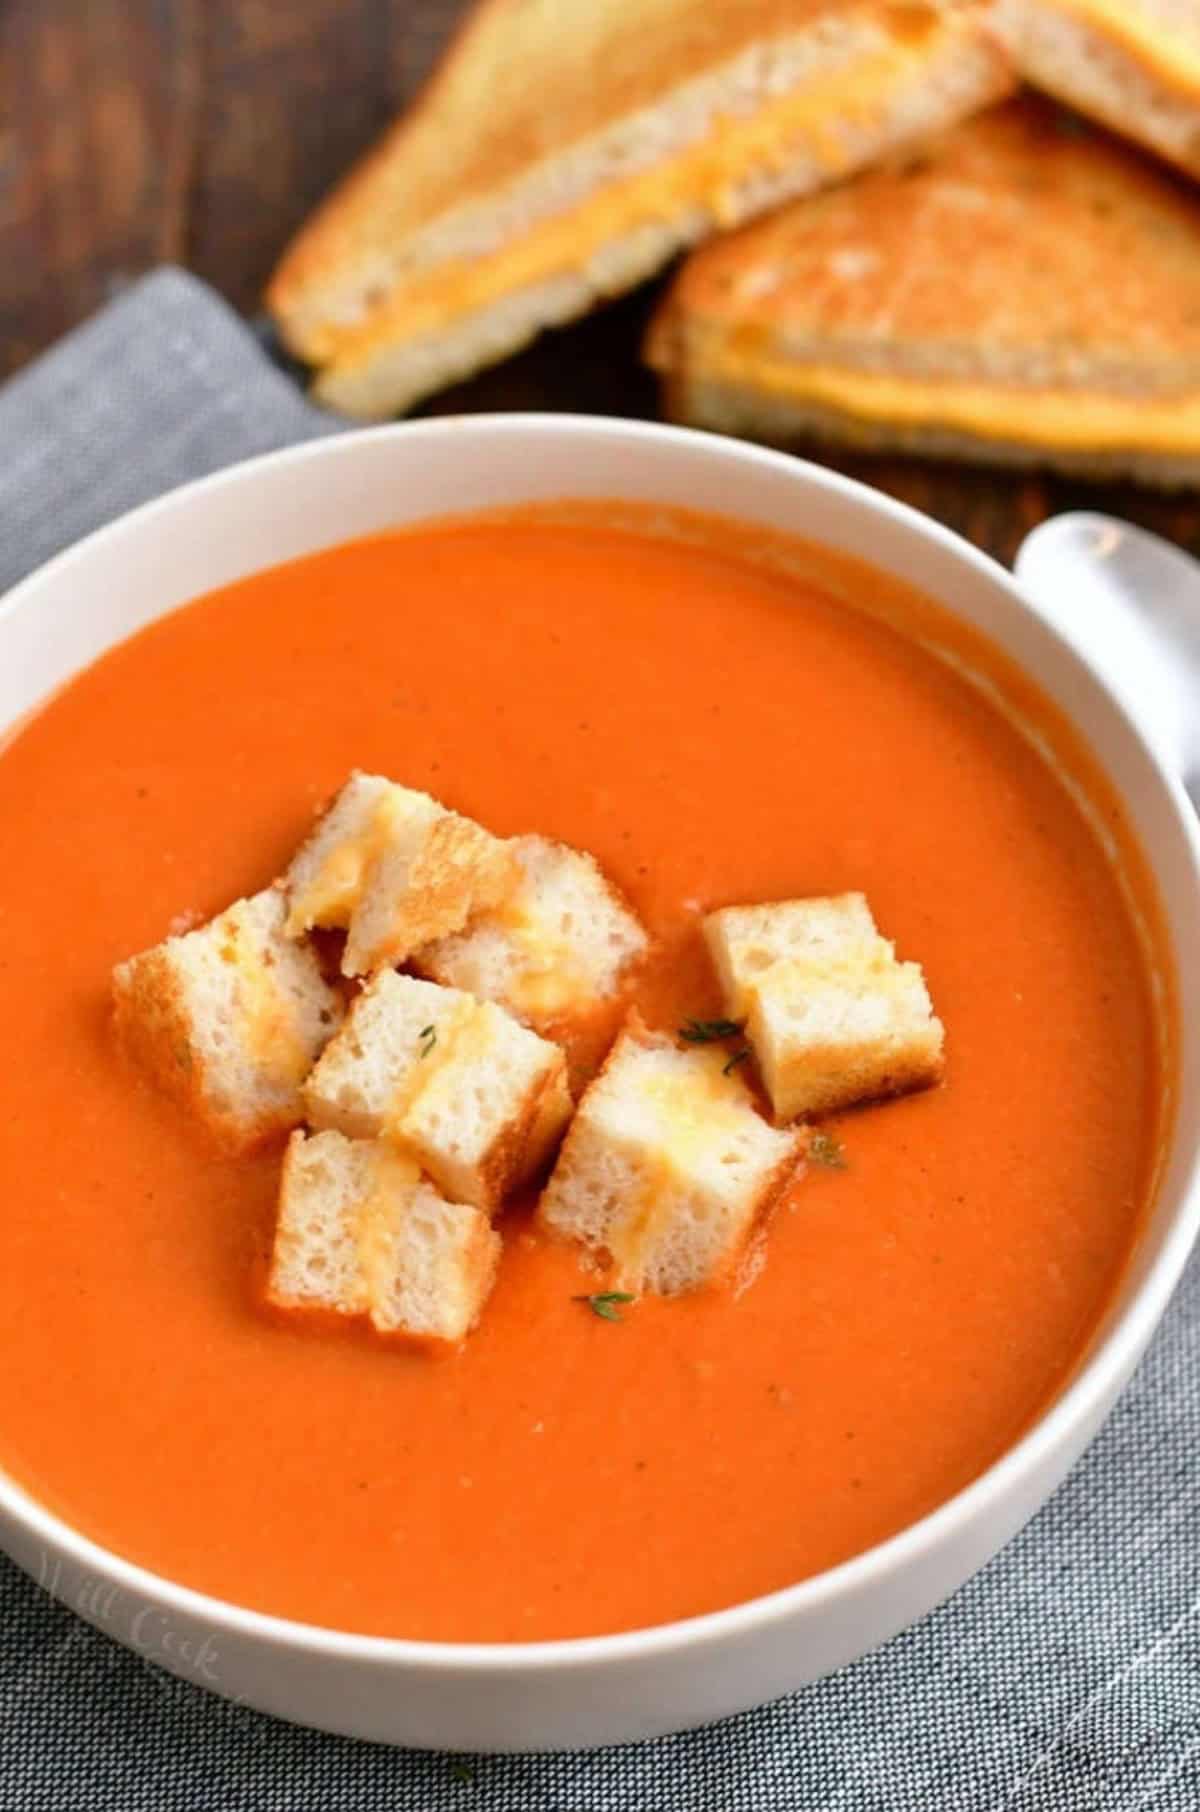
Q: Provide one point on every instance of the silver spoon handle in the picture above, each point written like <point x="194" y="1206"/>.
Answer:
<point x="1129" y="603"/>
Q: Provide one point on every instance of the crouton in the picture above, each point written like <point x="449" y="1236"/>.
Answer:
<point x="395" y="869"/>
<point x="555" y="945"/>
<point x="478" y="1100"/>
<point x="833" y="1017"/>
<point x="667" y="1166"/>
<point x="362" y="1232"/>
<point x="746" y="941"/>
<point x="229" y="1019"/>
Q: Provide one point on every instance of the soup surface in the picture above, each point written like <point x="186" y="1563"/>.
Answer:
<point x="714" y="731"/>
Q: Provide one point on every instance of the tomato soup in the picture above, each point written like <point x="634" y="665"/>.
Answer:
<point x="715" y="728"/>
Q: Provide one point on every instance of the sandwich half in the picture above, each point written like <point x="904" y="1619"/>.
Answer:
<point x="1024" y="292"/>
<point x="1132" y="64"/>
<point x="565" y="150"/>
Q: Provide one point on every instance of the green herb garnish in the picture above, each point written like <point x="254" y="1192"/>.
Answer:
<point x="428" y="1038"/>
<point x="738" y="1057"/>
<point x="709" y="1031"/>
<point x="827" y="1151"/>
<point x="608" y="1304"/>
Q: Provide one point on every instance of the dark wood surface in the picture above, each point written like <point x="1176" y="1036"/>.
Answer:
<point x="202" y="131"/>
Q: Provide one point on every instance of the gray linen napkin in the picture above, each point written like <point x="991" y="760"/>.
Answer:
<point x="1064" y="1678"/>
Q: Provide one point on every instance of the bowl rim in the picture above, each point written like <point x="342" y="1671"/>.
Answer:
<point x="1096" y="1376"/>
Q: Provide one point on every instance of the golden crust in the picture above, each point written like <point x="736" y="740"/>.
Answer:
<point x="783" y="422"/>
<point x="860" y="1084"/>
<point x="152" y="1023"/>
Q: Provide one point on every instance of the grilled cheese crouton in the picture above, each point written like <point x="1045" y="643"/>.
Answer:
<point x="834" y="1019"/>
<point x="395" y="869"/>
<point x="454" y="1082"/>
<point x="554" y="946"/>
<point x="667" y="1166"/>
<point x="362" y="1232"/>
<point x="229" y="1019"/>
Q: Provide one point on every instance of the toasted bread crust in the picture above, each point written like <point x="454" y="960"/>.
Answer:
<point x="525" y="1145"/>
<point x="792" y="426"/>
<point x="151" y="1022"/>
<point x="862" y="1085"/>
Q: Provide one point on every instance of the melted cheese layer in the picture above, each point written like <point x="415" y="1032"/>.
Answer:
<point x="1078" y="420"/>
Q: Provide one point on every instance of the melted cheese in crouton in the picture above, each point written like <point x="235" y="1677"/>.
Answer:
<point x="229" y="1018"/>
<point x="667" y="1166"/>
<point x="477" y="1098"/>
<point x="557" y="943"/>
<point x="325" y="881"/>
<point x="361" y="1232"/>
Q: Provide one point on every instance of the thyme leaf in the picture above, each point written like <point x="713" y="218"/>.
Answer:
<point x="607" y="1304"/>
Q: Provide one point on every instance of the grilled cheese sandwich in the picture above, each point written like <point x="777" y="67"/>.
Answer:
<point x="478" y="223"/>
<point x="1022" y="293"/>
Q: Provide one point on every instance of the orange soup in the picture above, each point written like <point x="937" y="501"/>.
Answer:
<point x="715" y="728"/>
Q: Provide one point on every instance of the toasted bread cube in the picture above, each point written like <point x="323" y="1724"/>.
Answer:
<point x="746" y="941"/>
<point x="316" y="1262"/>
<point x="433" y="1263"/>
<point x="229" y="1019"/>
<point x="667" y="1166"/>
<point x="362" y="1232"/>
<point x="556" y="944"/>
<point x="395" y="869"/>
<point x="478" y="1100"/>
<point x="830" y="1038"/>
<point x="834" y="1019"/>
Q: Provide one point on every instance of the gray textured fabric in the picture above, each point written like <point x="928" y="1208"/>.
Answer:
<point x="163" y="386"/>
<point x="1065" y="1678"/>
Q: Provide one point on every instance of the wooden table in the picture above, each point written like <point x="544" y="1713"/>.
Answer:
<point x="202" y="131"/>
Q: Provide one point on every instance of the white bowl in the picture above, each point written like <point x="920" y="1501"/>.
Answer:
<point x="556" y="1694"/>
